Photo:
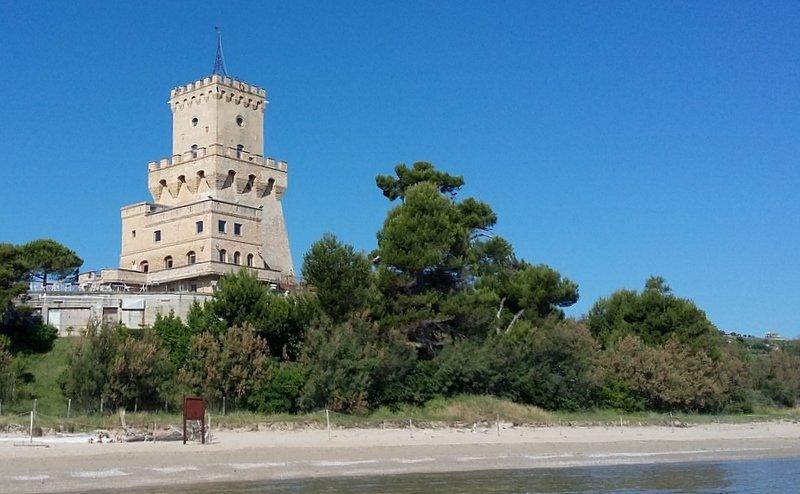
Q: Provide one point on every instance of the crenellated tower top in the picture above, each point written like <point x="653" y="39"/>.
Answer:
<point x="218" y="110"/>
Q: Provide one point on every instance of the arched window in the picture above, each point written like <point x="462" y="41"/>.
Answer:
<point x="168" y="262"/>
<point x="190" y="257"/>
<point x="239" y="150"/>
<point x="223" y="255"/>
<point x="237" y="258"/>
<point x="194" y="150"/>
<point x="249" y="260"/>
<point x="144" y="266"/>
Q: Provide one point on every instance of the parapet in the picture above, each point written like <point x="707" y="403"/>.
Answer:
<point x="218" y="79"/>
<point x="217" y="150"/>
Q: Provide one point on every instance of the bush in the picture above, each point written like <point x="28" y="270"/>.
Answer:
<point x="280" y="393"/>
<point x="7" y="375"/>
<point x="233" y="364"/>
<point x="25" y="330"/>
<point x="242" y="300"/>
<point x="552" y="365"/>
<point x="175" y="335"/>
<point x="354" y="367"/>
<point x="671" y="377"/>
<point x="124" y="367"/>
<point x="777" y="376"/>
<point x="462" y="368"/>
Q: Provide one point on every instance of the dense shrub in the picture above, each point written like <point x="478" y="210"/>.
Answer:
<point x="672" y="377"/>
<point x="280" y="393"/>
<point x="123" y="367"/>
<point x="552" y="364"/>
<point x="25" y="330"/>
<point x="354" y="367"/>
<point x="241" y="299"/>
<point x="175" y="335"/>
<point x="6" y="375"/>
<point x="777" y="376"/>
<point x="232" y="364"/>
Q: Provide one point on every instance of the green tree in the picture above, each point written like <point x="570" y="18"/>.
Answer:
<point x="396" y="187"/>
<point x="535" y="291"/>
<point x="202" y="318"/>
<point x="240" y="299"/>
<point x="654" y="315"/>
<point x="175" y="335"/>
<point x="339" y="275"/>
<point x="23" y="327"/>
<point x="233" y="364"/>
<point x="443" y="275"/>
<point x="419" y="236"/>
<point x="12" y="274"/>
<point x="48" y="258"/>
<point x="139" y="371"/>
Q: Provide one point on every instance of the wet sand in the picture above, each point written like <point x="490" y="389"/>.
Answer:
<point x="265" y="455"/>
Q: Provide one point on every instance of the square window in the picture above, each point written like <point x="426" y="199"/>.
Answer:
<point x="157" y="235"/>
<point x="222" y="226"/>
<point x="199" y="226"/>
<point x="237" y="228"/>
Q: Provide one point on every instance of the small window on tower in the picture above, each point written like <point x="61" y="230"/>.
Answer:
<point x="194" y="150"/>
<point x="222" y="226"/>
<point x="199" y="226"/>
<point x="194" y="122"/>
<point x="237" y="228"/>
<point x="157" y="235"/>
<point x="240" y="121"/>
<point x="133" y="233"/>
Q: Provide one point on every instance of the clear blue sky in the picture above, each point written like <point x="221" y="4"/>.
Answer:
<point x="614" y="140"/>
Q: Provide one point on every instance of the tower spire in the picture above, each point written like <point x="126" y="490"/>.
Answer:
<point x="219" y="61"/>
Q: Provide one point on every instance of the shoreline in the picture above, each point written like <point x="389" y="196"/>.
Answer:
<point x="282" y="455"/>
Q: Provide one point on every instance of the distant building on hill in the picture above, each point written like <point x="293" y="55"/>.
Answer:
<point x="216" y="208"/>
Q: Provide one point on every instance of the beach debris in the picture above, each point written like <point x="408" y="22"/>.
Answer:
<point x="172" y="434"/>
<point x="100" y="437"/>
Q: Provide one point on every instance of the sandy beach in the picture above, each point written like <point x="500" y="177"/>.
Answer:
<point x="65" y="466"/>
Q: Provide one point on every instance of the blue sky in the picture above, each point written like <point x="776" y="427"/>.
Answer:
<point x="614" y="140"/>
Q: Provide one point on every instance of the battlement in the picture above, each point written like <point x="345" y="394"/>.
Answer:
<point x="217" y="79"/>
<point x="218" y="150"/>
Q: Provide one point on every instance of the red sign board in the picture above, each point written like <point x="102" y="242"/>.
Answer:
<point x="194" y="409"/>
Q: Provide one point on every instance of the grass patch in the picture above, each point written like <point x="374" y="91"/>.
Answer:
<point x="42" y="371"/>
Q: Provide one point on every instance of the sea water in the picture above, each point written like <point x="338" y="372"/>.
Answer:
<point x="741" y="476"/>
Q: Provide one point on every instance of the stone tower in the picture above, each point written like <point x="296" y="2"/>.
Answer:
<point x="216" y="201"/>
